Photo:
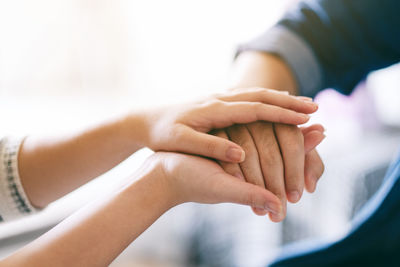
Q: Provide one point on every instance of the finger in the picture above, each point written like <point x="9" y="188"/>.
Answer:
<point x="234" y="170"/>
<point x="251" y="166"/>
<point x="230" y="189"/>
<point x="273" y="97"/>
<point x="220" y="114"/>
<point x="312" y="139"/>
<point x="271" y="162"/>
<point x="314" y="127"/>
<point x="291" y="144"/>
<point x="314" y="168"/>
<point x="230" y="168"/>
<point x="208" y="145"/>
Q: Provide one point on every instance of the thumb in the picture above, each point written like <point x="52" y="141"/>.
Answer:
<point x="211" y="146"/>
<point x="230" y="189"/>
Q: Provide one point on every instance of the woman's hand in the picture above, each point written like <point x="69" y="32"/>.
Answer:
<point x="184" y="128"/>
<point x="100" y="231"/>
<point x="189" y="178"/>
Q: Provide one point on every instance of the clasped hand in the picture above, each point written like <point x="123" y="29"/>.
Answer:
<point x="263" y="157"/>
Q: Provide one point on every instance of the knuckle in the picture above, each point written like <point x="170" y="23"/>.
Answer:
<point x="258" y="106"/>
<point x="216" y="103"/>
<point x="178" y="133"/>
<point x="210" y="147"/>
<point x="294" y="142"/>
<point x="247" y="145"/>
<point x="272" y="159"/>
<point x="294" y="147"/>
<point x="261" y="127"/>
<point x="210" y="104"/>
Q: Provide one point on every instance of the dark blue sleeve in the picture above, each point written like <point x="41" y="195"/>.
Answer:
<point x="349" y="38"/>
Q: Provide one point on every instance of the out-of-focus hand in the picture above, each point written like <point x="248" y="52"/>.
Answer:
<point x="184" y="128"/>
<point x="279" y="157"/>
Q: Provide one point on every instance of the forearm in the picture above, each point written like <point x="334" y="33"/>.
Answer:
<point x="51" y="167"/>
<point x="97" y="234"/>
<point x="260" y="69"/>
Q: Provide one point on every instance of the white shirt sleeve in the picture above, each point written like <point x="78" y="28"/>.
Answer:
<point x="13" y="201"/>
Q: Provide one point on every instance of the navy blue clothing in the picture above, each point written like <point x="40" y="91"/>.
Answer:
<point x="349" y="38"/>
<point x="374" y="240"/>
<point x="335" y="44"/>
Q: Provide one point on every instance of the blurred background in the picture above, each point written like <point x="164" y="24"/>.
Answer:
<point x="67" y="63"/>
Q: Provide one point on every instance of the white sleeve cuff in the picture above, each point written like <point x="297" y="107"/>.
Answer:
<point x="295" y="52"/>
<point x="14" y="202"/>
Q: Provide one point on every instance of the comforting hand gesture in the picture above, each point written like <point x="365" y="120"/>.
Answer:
<point x="279" y="157"/>
<point x="188" y="178"/>
<point x="184" y="128"/>
<point x="167" y="178"/>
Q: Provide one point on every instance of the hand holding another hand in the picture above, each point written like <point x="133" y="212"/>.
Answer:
<point x="279" y="157"/>
<point x="185" y="128"/>
<point x="183" y="178"/>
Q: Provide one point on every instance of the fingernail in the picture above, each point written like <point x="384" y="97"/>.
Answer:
<point x="273" y="207"/>
<point x="294" y="196"/>
<point x="235" y="154"/>
<point x="305" y="98"/>
<point x="310" y="103"/>
<point x="305" y="116"/>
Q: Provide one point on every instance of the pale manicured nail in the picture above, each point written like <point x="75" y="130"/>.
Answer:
<point x="310" y="103"/>
<point x="305" y="116"/>
<point x="235" y="154"/>
<point x="274" y="208"/>
<point x="305" y="98"/>
<point x="294" y="196"/>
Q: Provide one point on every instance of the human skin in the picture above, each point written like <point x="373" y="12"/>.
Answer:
<point x="51" y="167"/>
<point x="98" y="233"/>
<point x="277" y="157"/>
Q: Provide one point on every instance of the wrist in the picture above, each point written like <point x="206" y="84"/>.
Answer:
<point x="152" y="178"/>
<point x="137" y="128"/>
<point x="260" y="69"/>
